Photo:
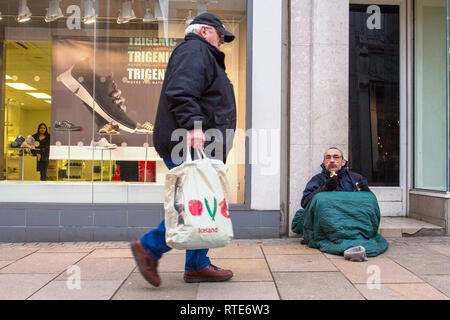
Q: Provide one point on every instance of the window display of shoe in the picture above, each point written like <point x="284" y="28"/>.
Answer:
<point x="102" y="144"/>
<point x="26" y="145"/>
<point x="32" y="142"/>
<point x="110" y="128"/>
<point x="147" y="127"/>
<point x="66" y="125"/>
<point x="107" y="101"/>
<point x="18" y="142"/>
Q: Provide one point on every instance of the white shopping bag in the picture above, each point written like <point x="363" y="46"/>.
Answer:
<point x="196" y="204"/>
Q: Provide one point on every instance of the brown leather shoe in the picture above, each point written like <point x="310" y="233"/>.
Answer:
<point x="146" y="263"/>
<point x="209" y="274"/>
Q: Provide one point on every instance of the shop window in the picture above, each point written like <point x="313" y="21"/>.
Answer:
<point x="430" y="141"/>
<point x="374" y="93"/>
<point x="61" y="70"/>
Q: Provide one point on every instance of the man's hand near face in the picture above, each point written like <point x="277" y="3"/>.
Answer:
<point x="332" y="183"/>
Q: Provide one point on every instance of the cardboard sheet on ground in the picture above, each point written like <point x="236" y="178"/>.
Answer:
<point x="335" y="221"/>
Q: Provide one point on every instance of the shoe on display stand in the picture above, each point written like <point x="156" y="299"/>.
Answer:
<point x="146" y="127"/>
<point x="110" y="128"/>
<point x="32" y="142"/>
<point x="18" y="142"/>
<point x="107" y="101"/>
<point x="102" y="144"/>
<point x="26" y="145"/>
<point x="66" y="125"/>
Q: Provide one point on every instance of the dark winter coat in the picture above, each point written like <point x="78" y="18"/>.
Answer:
<point x="347" y="182"/>
<point x="195" y="88"/>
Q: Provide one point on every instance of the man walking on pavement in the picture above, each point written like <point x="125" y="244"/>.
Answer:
<point x="196" y="90"/>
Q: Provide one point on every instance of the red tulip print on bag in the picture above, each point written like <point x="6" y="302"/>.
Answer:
<point x="224" y="208"/>
<point x="195" y="207"/>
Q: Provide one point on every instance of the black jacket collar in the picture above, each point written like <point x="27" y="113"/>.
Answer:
<point x="219" y="55"/>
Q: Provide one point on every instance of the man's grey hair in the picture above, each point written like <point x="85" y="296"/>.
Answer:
<point x="195" y="28"/>
<point x="335" y="148"/>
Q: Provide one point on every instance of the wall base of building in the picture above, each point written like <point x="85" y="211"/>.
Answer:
<point x="431" y="207"/>
<point x="26" y="222"/>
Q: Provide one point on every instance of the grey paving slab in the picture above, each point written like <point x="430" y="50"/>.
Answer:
<point x="419" y="259"/>
<point x="5" y="263"/>
<point x="66" y="249"/>
<point x="103" y="269"/>
<point x="14" y="253"/>
<point x="43" y="263"/>
<point x="111" y="253"/>
<point x="417" y="291"/>
<point x="289" y="249"/>
<point x="440" y="248"/>
<point x="89" y="290"/>
<point x="315" y="286"/>
<point x="172" y="287"/>
<point x="274" y="242"/>
<point x="172" y="263"/>
<point x="302" y="262"/>
<point x="236" y="251"/>
<point x="237" y="291"/>
<point x="380" y="292"/>
<point x="440" y="282"/>
<point x="333" y="256"/>
<point x="245" y="269"/>
<point x="379" y="269"/>
<point x="21" y="286"/>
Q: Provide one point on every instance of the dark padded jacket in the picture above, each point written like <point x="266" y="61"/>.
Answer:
<point x="195" y="88"/>
<point x="347" y="182"/>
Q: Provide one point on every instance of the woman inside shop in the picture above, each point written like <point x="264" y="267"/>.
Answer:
<point x="43" y="151"/>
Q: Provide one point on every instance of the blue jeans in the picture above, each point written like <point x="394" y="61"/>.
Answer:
<point x="155" y="243"/>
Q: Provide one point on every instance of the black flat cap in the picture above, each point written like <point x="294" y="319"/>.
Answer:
<point x="211" y="20"/>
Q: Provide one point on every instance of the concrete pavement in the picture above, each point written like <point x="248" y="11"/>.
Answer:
<point x="273" y="269"/>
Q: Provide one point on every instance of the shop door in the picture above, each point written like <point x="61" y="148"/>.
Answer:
<point x="377" y="147"/>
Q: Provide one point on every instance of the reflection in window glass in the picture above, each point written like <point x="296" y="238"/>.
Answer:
<point x="430" y="95"/>
<point x="374" y="95"/>
<point x="92" y="73"/>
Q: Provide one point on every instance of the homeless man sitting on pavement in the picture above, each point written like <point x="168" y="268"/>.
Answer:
<point x="342" y="223"/>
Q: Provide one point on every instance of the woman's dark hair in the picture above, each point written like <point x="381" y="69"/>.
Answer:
<point x="46" y="129"/>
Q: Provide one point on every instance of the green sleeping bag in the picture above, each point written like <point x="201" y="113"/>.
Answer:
<point x="335" y="221"/>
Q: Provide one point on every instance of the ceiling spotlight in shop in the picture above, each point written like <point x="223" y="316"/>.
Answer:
<point x="54" y="12"/>
<point x="127" y="13"/>
<point x="24" y="12"/>
<point x="190" y="17"/>
<point x="89" y="12"/>
<point x="148" y="17"/>
<point x="202" y="5"/>
<point x="1" y="17"/>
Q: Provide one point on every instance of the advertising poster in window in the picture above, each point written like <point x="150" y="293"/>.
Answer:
<point x="110" y="86"/>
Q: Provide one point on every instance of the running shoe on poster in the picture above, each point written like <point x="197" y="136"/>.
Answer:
<point x="107" y="101"/>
